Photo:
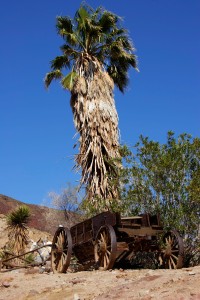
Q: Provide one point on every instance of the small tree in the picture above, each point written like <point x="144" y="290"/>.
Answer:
<point x="165" y="179"/>
<point x="17" y="225"/>
<point x="67" y="201"/>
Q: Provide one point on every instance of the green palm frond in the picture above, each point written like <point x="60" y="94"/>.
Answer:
<point x="69" y="51"/>
<point x="108" y="21"/>
<point x="81" y="16"/>
<point x="52" y="75"/>
<point x="125" y="43"/>
<point x="119" y="76"/>
<point x="65" y="28"/>
<point x="60" y="62"/>
<point x="68" y="81"/>
<point x="92" y="27"/>
<point x="96" y="34"/>
<point x="133" y="62"/>
<point x="70" y="38"/>
<point x="64" y="23"/>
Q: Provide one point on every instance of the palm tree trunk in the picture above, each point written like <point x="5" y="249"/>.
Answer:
<point x="96" y="121"/>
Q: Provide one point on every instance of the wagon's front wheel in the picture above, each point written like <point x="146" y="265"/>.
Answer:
<point x="105" y="247"/>
<point x="61" y="250"/>
<point x="173" y="250"/>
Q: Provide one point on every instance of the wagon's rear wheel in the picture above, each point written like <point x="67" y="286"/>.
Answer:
<point x="61" y="250"/>
<point x="173" y="250"/>
<point x="105" y="247"/>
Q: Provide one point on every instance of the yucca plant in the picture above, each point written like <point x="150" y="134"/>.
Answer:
<point x="18" y="232"/>
<point x="98" y="53"/>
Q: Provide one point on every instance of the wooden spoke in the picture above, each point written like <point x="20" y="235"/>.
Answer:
<point x="105" y="247"/>
<point x="169" y="263"/>
<point x="176" y="257"/>
<point x="61" y="250"/>
<point x="173" y="251"/>
<point x="104" y="261"/>
<point x="173" y="263"/>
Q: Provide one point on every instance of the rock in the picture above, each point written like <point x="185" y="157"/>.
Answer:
<point x="191" y="273"/>
<point x="16" y="271"/>
<point x="48" y="268"/>
<point x="76" y="297"/>
<point x="41" y="270"/>
<point x="143" y="293"/>
<point x="6" y="284"/>
<point x="76" y="281"/>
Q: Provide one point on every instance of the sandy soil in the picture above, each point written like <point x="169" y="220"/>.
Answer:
<point x="99" y="285"/>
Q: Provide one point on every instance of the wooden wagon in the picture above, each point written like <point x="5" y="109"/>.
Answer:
<point x="109" y="239"/>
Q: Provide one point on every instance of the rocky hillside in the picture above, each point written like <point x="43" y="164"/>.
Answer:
<point x="42" y="218"/>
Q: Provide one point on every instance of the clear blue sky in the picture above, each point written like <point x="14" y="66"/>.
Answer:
<point x="36" y="126"/>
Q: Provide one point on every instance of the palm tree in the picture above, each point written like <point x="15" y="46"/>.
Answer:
<point x="98" y="53"/>
<point x="17" y="224"/>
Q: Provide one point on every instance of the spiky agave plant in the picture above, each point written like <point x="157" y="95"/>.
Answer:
<point x="99" y="53"/>
<point x="17" y="225"/>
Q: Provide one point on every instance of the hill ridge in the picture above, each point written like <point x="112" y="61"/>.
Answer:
<point x="42" y="217"/>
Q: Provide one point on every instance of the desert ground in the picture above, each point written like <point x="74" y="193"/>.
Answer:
<point x="99" y="285"/>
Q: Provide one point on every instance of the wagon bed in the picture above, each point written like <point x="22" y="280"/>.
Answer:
<point x="108" y="238"/>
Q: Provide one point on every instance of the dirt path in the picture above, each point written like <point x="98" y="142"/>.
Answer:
<point x="100" y="285"/>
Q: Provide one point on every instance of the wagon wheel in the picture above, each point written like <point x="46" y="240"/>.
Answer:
<point x="173" y="250"/>
<point x="61" y="250"/>
<point x="105" y="247"/>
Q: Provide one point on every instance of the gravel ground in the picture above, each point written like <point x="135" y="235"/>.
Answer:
<point x="99" y="285"/>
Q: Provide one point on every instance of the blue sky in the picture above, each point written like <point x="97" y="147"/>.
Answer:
<point x="36" y="126"/>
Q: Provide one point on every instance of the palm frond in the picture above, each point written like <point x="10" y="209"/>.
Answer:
<point x="125" y="42"/>
<point x="108" y="21"/>
<point x="92" y="27"/>
<point x="65" y="28"/>
<point x="71" y="38"/>
<point x="133" y="62"/>
<point x="64" y="23"/>
<point x="81" y="18"/>
<point x="60" y="62"/>
<point x="82" y="14"/>
<point x="68" y="81"/>
<point x="52" y="75"/>
<point x="69" y="51"/>
<point x="119" y="76"/>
